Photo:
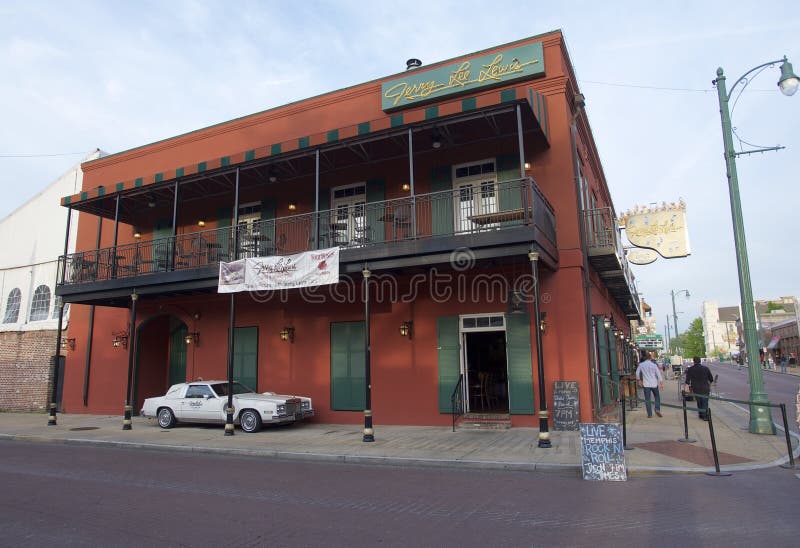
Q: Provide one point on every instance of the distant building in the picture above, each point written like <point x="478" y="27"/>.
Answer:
<point x="33" y="238"/>
<point x="721" y="329"/>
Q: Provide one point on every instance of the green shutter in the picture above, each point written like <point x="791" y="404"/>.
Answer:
<point x="375" y="193"/>
<point x="614" y="367"/>
<point x="447" y="344"/>
<point x="602" y="354"/>
<point x="348" y="382"/>
<point x="509" y="194"/>
<point x="442" y="204"/>
<point x="224" y="237"/>
<point x="324" y="220"/>
<point x="245" y="356"/>
<point x="268" y="228"/>
<point x="177" y="354"/>
<point x="520" y="372"/>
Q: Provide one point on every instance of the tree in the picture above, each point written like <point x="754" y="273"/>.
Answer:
<point x="694" y="343"/>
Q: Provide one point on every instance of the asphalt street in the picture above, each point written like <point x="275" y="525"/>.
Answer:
<point x="57" y="494"/>
<point x="734" y="383"/>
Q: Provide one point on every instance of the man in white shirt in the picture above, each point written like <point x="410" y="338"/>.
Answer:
<point x="650" y="380"/>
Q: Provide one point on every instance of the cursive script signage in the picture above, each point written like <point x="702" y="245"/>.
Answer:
<point x="307" y="269"/>
<point x="662" y="229"/>
<point x="421" y="86"/>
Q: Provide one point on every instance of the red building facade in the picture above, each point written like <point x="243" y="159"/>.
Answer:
<point x="470" y="190"/>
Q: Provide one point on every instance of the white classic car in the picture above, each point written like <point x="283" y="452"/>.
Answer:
<point x="205" y="401"/>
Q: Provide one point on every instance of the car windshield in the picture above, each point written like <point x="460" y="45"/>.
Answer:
<point x="221" y="389"/>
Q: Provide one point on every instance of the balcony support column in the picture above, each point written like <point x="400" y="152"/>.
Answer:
<point x="411" y="184"/>
<point x="116" y="234"/>
<point x="52" y="419"/>
<point x="87" y="368"/>
<point x="315" y="228"/>
<point x="232" y="321"/>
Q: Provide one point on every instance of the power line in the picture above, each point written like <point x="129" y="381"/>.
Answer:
<point x="37" y="155"/>
<point x="660" y="88"/>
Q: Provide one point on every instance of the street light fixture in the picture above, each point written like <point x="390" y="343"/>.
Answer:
<point x="760" y="420"/>
<point x="675" y="317"/>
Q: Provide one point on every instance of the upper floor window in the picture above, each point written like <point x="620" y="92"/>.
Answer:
<point x="40" y="305"/>
<point x="12" y="306"/>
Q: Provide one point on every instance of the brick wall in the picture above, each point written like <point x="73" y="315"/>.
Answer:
<point x="25" y="369"/>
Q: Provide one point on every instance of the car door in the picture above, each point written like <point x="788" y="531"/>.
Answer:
<point x="201" y="404"/>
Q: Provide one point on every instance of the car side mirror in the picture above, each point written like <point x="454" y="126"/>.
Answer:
<point x="209" y="396"/>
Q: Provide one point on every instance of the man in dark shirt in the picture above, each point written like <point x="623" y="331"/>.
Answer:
<point x="699" y="379"/>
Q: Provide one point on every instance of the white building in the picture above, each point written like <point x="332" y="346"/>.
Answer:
<point x="722" y="331"/>
<point x="33" y="239"/>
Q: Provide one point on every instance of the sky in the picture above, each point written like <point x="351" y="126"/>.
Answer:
<point x="115" y="75"/>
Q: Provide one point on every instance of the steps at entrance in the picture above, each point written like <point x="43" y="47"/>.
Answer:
<point x="484" y="421"/>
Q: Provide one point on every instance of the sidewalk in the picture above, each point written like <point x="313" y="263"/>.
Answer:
<point x="654" y="439"/>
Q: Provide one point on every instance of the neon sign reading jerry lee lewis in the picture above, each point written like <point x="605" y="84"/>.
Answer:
<point x="493" y="69"/>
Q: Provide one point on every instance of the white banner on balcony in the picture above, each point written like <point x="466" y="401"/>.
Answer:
<point x="307" y="269"/>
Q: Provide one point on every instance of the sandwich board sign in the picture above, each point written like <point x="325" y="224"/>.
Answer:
<point x="602" y="456"/>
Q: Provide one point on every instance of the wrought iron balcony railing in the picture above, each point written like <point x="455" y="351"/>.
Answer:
<point x="475" y="209"/>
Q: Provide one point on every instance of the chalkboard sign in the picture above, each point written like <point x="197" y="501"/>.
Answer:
<point x="601" y="452"/>
<point x="566" y="413"/>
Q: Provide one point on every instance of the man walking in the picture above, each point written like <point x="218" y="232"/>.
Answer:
<point x="699" y="379"/>
<point x="650" y="380"/>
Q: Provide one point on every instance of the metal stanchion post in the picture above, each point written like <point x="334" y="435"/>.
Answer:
<point x="788" y="439"/>
<point x="686" y="438"/>
<point x="624" y="425"/>
<point x="714" y="448"/>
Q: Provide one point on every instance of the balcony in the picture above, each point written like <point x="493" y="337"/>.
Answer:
<point x="495" y="220"/>
<point x="607" y="256"/>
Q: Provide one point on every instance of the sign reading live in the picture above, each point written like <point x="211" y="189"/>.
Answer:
<point x="311" y="268"/>
<point x="662" y="229"/>
<point x="602" y="453"/>
<point x="421" y="86"/>
<point x="566" y="413"/>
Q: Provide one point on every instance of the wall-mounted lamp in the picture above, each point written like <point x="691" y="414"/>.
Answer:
<point x="68" y="343"/>
<point x="516" y="302"/>
<point x="543" y="322"/>
<point x="273" y="175"/>
<point x="193" y="337"/>
<point x="406" y="329"/>
<point x="606" y="322"/>
<point x="527" y="165"/>
<point x="287" y="334"/>
<point x="292" y="206"/>
<point x="201" y="223"/>
<point x="406" y="187"/>
<point x="120" y="339"/>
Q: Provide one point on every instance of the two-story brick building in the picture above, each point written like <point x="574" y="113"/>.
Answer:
<point x="454" y="186"/>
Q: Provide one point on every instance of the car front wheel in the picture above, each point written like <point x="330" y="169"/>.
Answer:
<point x="250" y="421"/>
<point x="166" y="419"/>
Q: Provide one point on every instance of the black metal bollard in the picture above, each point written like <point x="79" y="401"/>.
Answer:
<point x="788" y="439"/>
<point x="624" y="425"/>
<point x="714" y="448"/>
<point x="686" y="438"/>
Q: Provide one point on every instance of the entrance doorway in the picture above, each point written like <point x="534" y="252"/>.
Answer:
<point x="486" y="369"/>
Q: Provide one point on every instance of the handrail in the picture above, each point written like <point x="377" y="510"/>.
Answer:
<point x="457" y="400"/>
<point x="435" y="214"/>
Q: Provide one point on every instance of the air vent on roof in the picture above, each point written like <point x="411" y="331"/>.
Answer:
<point x="413" y="63"/>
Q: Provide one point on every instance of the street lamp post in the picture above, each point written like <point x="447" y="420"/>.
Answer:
<point x="672" y="292"/>
<point x="760" y="420"/>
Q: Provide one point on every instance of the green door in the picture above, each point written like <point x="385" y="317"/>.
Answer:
<point x="448" y="347"/>
<point x="245" y="356"/>
<point x="177" y="354"/>
<point x="348" y="382"/>
<point x="162" y="245"/>
<point x="520" y="374"/>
